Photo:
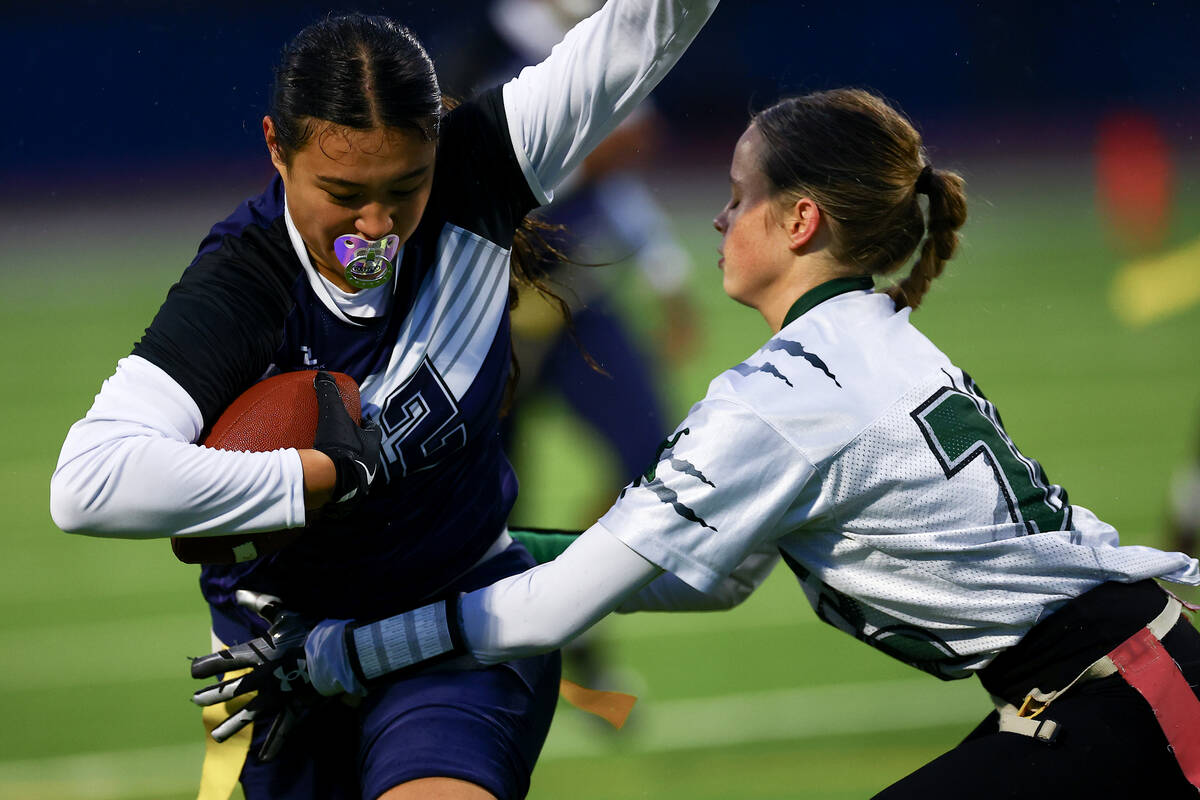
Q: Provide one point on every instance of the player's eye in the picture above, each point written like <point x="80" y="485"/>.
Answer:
<point x="343" y="198"/>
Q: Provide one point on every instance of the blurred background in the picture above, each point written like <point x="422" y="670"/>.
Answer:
<point x="1073" y="303"/>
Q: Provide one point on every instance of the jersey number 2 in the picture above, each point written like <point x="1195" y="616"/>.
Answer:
<point x="960" y="427"/>
<point x="421" y="423"/>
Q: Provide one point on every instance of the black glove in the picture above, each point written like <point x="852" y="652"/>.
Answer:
<point x="353" y="449"/>
<point x="278" y="672"/>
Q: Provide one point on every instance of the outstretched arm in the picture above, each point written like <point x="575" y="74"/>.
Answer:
<point x="547" y="606"/>
<point x="538" y="610"/>
<point x="560" y="109"/>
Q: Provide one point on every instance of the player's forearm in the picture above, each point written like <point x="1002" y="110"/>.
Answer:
<point x="561" y="109"/>
<point x="129" y="469"/>
<point x="534" y="612"/>
<point x="547" y="606"/>
<point x="320" y="475"/>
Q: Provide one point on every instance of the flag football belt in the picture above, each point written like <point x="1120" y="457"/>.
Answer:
<point x="1146" y="666"/>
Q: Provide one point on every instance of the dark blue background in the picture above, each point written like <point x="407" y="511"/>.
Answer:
<point x="96" y="88"/>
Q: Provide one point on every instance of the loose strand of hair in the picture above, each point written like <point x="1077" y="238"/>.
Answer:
<point x="531" y="250"/>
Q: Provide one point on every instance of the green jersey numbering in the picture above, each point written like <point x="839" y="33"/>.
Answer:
<point x="960" y="426"/>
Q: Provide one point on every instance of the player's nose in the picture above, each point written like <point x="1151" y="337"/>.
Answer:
<point x="374" y="221"/>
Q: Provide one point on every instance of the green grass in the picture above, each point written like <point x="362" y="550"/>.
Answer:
<point x="826" y="768"/>
<point x="95" y="633"/>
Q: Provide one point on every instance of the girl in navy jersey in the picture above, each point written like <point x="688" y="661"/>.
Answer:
<point x="849" y="447"/>
<point x="381" y="250"/>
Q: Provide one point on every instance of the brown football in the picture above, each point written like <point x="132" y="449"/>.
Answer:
<point x="275" y="413"/>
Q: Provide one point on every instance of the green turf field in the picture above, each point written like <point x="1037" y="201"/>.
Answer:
<point x="761" y="702"/>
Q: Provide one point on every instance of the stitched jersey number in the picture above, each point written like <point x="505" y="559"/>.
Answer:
<point x="421" y="423"/>
<point x="960" y="427"/>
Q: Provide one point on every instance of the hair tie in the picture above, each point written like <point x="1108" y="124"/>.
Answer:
<point x="925" y="180"/>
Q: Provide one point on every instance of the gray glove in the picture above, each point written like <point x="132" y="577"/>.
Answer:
<point x="278" y="672"/>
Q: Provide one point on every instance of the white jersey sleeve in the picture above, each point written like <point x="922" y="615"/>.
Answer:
<point x="560" y="109"/>
<point x="130" y="468"/>
<point x="724" y="484"/>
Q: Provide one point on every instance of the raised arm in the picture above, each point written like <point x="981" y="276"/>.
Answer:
<point x="560" y="109"/>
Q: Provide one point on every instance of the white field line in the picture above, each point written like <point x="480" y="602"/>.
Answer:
<point x="778" y="715"/>
<point x="121" y="775"/>
<point x="164" y="641"/>
<point x="655" y="727"/>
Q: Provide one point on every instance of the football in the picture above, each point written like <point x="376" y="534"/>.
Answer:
<point x="275" y="413"/>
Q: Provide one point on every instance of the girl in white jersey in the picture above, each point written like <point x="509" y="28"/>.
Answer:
<point x="853" y="449"/>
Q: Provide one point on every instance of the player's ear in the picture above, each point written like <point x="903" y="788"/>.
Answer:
<point x="273" y="147"/>
<point x="801" y="221"/>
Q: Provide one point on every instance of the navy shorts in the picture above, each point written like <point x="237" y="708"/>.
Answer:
<point x="484" y="726"/>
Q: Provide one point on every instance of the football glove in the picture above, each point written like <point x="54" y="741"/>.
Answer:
<point x="353" y="449"/>
<point x="278" y="672"/>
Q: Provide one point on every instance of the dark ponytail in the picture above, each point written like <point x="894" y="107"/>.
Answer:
<point x="864" y="165"/>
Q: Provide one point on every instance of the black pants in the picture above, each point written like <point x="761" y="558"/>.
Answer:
<point x="1110" y="744"/>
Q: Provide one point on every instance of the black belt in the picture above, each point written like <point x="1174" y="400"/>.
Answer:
<point x="1061" y="646"/>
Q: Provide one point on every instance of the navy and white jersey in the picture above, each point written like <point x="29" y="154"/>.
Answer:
<point x="430" y="350"/>
<point x="431" y="371"/>
<point x="884" y="477"/>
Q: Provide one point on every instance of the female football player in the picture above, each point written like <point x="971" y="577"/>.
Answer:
<point x="851" y="447"/>
<point x="382" y="250"/>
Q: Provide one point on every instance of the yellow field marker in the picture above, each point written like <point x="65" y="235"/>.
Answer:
<point x="1154" y="287"/>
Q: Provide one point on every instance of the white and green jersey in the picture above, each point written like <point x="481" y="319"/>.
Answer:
<point x="886" y="480"/>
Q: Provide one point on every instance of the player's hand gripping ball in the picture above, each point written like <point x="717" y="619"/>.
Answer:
<point x="282" y="411"/>
<point x="354" y="449"/>
<point x="278" y="672"/>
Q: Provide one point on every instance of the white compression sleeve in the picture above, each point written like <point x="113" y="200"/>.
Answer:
<point x="538" y="610"/>
<point x="129" y="468"/>
<point x="669" y="593"/>
<point x="560" y="109"/>
<point x="545" y="607"/>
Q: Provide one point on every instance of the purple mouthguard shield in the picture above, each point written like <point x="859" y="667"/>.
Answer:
<point x="368" y="262"/>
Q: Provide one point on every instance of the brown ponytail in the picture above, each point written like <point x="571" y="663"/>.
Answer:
<point x="947" y="213"/>
<point x="864" y="165"/>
